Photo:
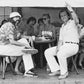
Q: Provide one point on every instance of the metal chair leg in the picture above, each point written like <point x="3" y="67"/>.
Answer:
<point x="3" y="68"/>
<point x="74" y="63"/>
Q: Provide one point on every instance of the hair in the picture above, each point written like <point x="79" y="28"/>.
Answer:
<point x="47" y="14"/>
<point x="65" y="10"/>
<point x="3" y="21"/>
<point x="12" y="21"/>
<point x="31" y="19"/>
<point x="79" y="20"/>
<point x="40" y="20"/>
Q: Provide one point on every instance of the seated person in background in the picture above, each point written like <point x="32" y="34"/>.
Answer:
<point x="21" y="25"/>
<point x="81" y="30"/>
<point x="40" y="27"/>
<point x="29" y="27"/>
<point x="11" y="46"/>
<point x="29" y="31"/>
<point x="81" y="36"/>
<point x="49" y="29"/>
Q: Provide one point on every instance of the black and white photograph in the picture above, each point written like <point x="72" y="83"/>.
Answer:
<point x="41" y="41"/>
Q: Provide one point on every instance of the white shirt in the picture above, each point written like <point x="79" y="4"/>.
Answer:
<point x="69" y="32"/>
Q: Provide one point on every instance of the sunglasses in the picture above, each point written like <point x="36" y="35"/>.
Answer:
<point x="44" y="18"/>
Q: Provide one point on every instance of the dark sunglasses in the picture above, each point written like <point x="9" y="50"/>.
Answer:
<point x="44" y="18"/>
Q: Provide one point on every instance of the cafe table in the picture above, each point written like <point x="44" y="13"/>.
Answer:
<point x="41" y="41"/>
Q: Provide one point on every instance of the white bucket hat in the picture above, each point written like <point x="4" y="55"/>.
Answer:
<point x="14" y="14"/>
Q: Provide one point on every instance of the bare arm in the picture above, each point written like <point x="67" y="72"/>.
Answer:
<point x="19" y="43"/>
<point x="12" y="41"/>
<point x="30" y="39"/>
<point x="73" y="14"/>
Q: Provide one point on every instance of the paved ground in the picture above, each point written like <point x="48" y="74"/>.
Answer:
<point x="43" y="78"/>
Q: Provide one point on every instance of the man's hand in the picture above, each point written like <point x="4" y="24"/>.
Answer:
<point x="30" y="39"/>
<point x="18" y="35"/>
<point x="69" y="7"/>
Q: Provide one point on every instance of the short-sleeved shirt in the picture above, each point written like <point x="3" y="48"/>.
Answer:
<point x="40" y="28"/>
<point x="69" y="32"/>
<point x="50" y="28"/>
<point x="7" y="32"/>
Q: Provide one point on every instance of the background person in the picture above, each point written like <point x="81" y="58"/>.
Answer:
<point x="29" y="27"/>
<point x="40" y="27"/>
<point x="49" y="29"/>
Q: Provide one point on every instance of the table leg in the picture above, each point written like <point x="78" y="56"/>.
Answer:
<point x="3" y="68"/>
<point x="74" y="62"/>
<point x="41" y="56"/>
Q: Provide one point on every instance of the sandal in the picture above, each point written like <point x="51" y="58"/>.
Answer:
<point x="63" y="76"/>
<point x="30" y="74"/>
<point x="17" y="73"/>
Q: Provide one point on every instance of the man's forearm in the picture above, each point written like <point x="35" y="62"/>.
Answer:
<point x="59" y="44"/>
<point x="73" y="13"/>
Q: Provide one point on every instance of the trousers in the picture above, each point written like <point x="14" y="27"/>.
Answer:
<point x="65" y="51"/>
<point x="27" y="58"/>
<point x="13" y="50"/>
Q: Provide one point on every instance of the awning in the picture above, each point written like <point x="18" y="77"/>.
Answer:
<point x="40" y="3"/>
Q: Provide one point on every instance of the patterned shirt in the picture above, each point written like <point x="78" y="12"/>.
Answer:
<point x="7" y="32"/>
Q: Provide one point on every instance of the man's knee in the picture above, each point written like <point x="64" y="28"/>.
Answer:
<point x="61" y="54"/>
<point x="46" y="52"/>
